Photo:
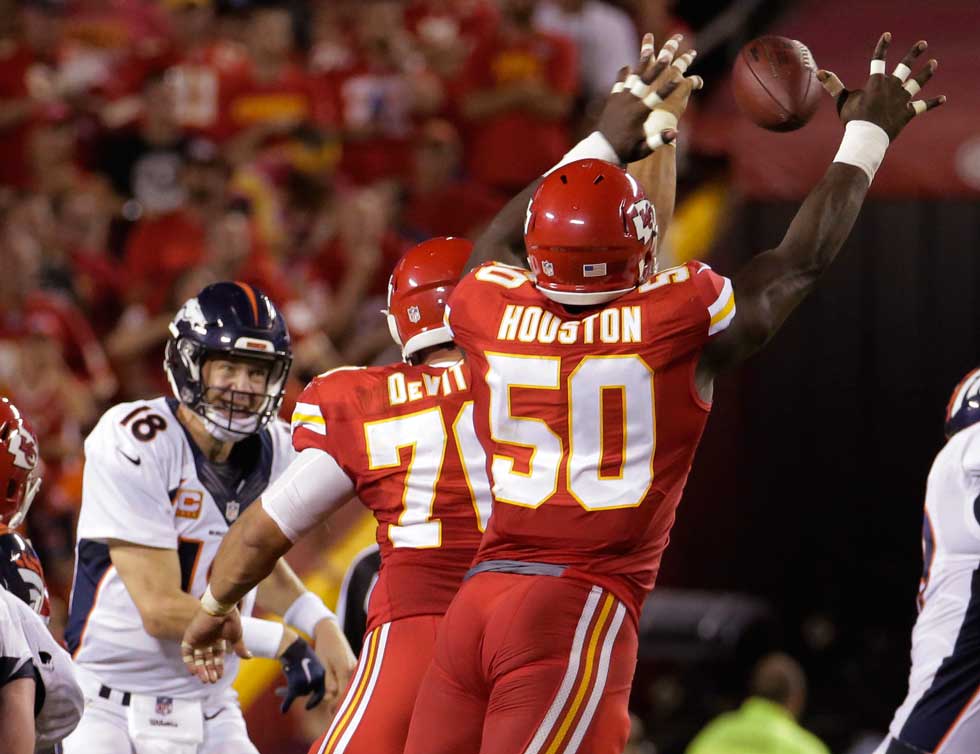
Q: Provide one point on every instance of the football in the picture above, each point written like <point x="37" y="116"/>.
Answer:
<point x="775" y="83"/>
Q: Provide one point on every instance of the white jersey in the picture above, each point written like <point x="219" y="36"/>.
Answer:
<point x="147" y="483"/>
<point x="942" y="704"/>
<point x="27" y="650"/>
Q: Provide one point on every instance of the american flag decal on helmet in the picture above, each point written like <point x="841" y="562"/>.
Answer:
<point x="594" y="270"/>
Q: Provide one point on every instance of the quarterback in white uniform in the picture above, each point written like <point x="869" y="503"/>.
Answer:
<point x="163" y="481"/>
<point x="40" y="701"/>
<point x="941" y="714"/>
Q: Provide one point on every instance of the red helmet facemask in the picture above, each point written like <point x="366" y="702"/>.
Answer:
<point x="20" y="473"/>
<point x="418" y="290"/>
<point x="590" y="233"/>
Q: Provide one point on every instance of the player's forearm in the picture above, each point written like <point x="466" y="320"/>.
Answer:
<point x="166" y="617"/>
<point x="823" y="223"/>
<point x="248" y="554"/>
<point x="504" y="235"/>
<point x="17" y="717"/>
<point x="775" y="282"/>
<point x="280" y="589"/>
<point x="657" y="176"/>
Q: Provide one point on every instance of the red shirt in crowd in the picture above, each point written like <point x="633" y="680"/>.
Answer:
<point x="374" y="110"/>
<point x="513" y="147"/>
<point x="289" y="97"/>
<point x="158" y="251"/>
<point x="55" y="316"/>
<point x="22" y="73"/>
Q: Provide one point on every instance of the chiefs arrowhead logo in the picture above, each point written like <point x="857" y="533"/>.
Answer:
<point x="23" y="449"/>
<point x="644" y="220"/>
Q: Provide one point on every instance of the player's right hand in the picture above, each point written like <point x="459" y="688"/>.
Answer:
<point x="629" y="119"/>
<point x="205" y="641"/>
<point x="887" y="99"/>
<point x="337" y="657"/>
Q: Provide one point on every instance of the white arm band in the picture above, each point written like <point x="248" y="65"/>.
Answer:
<point x="212" y="606"/>
<point x="311" y="488"/>
<point x="863" y="146"/>
<point x="306" y="611"/>
<point x="595" y="146"/>
<point x="262" y="637"/>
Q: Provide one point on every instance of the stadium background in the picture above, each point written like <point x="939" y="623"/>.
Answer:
<point x="147" y="148"/>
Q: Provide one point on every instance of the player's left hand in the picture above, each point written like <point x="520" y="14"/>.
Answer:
<point x="641" y="113"/>
<point x="337" y="657"/>
<point x="205" y="641"/>
<point x="304" y="675"/>
<point x="887" y="100"/>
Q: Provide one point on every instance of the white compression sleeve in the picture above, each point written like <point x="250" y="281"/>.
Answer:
<point x="310" y="489"/>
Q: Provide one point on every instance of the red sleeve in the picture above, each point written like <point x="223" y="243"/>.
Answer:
<point x="716" y="295"/>
<point x="324" y="418"/>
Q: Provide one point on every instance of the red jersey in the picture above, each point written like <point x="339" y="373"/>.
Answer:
<point x="591" y="419"/>
<point x="205" y="80"/>
<point x="21" y="72"/>
<point x="510" y="149"/>
<point x="404" y="435"/>
<point x="289" y="97"/>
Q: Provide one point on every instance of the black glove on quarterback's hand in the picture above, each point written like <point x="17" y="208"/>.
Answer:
<point x="304" y="675"/>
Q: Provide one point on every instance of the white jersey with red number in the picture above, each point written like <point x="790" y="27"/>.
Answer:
<point x="591" y="419"/>
<point x="404" y="435"/>
<point x="147" y="483"/>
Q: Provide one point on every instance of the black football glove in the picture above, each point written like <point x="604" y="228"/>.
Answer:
<point x="304" y="675"/>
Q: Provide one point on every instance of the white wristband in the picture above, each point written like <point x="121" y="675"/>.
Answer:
<point x="262" y="637"/>
<point x="306" y="611"/>
<point x="863" y="146"/>
<point x="595" y="146"/>
<point x="212" y="606"/>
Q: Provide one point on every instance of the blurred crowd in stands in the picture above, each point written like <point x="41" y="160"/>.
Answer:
<point x="150" y="147"/>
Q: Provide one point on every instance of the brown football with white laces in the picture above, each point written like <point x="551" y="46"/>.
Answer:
<point x="775" y="84"/>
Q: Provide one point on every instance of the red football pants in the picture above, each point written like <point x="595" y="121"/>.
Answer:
<point x="375" y="712"/>
<point x="527" y="664"/>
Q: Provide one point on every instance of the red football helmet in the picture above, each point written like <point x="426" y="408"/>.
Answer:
<point x="418" y="290"/>
<point x="20" y="472"/>
<point x="590" y="233"/>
